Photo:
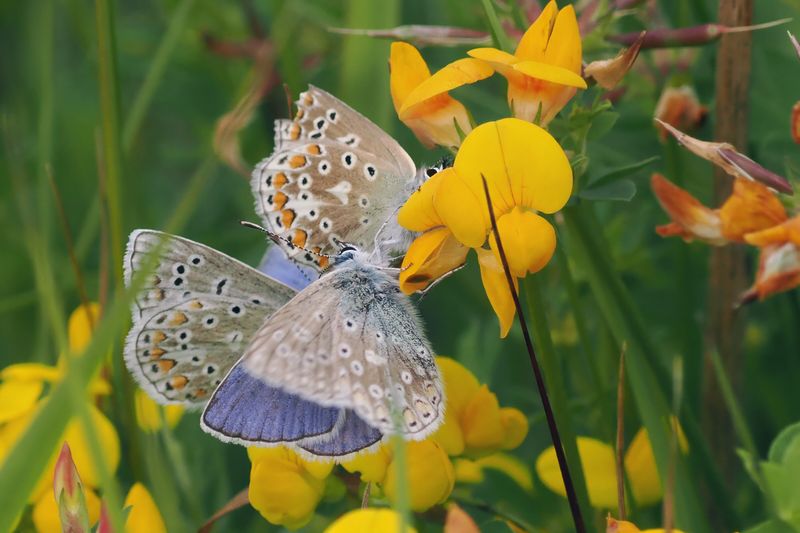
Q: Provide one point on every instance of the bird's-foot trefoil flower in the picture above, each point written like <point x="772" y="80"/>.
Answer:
<point x="545" y="70"/>
<point x="598" y="462"/>
<point x="779" y="263"/>
<point x="750" y="207"/>
<point x="422" y="101"/>
<point x="284" y="487"/>
<point x="527" y="173"/>
<point x="370" y="519"/>
<point x="22" y="393"/>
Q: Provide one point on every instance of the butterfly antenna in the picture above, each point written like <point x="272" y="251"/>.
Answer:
<point x="278" y="239"/>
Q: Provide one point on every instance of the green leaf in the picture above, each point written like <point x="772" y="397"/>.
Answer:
<point x="623" y="171"/>
<point x="771" y="526"/>
<point x="602" y="124"/>
<point x="782" y="442"/>
<point x="618" y="191"/>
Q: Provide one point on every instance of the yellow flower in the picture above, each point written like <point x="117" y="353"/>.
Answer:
<point x="475" y="424"/>
<point x="284" y="487"/>
<point x="471" y="471"/>
<point x="151" y="417"/>
<point x="144" y="516"/>
<point x="599" y="468"/>
<point x="429" y="472"/>
<point x="527" y="172"/>
<point x="368" y="520"/>
<point x="430" y="475"/>
<point x="545" y="71"/>
<point x="20" y="397"/>
<point x="422" y="101"/>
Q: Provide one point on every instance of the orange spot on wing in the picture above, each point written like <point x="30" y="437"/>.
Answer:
<point x="300" y="114"/>
<point x="197" y="304"/>
<point x="178" y="319"/>
<point x="155" y="353"/>
<point x="313" y="149"/>
<point x="298" y="161"/>
<point x="294" y="132"/>
<point x="279" y="199"/>
<point x="287" y="217"/>
<point x="159" y="336"/>
<point x="166" y="364"/>
<point x="279" y="180"/>
<point x="178" y="382"/>
<point x="308" y="100"/>
<point x="323" y="262"/>
<point x="299" y="238"/>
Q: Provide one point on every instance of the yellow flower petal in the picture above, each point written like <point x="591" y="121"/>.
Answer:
<point x="460" y="385"/>
<point x="81" y="323"/>
<point x="467" y="471"/>
<point x="31" y="372"/>
<point x="501" y="152"/>
<point x="458" y="73"/>
<point x="510" y="465"/>
<point x="641" y="468"/>
<point x="449" y="435"/>
<point x="372" y="466"/>
<point x="496" y="286"/>
<point x="533" y="43"/>
<point x="431" y="255"/>
<point x="551" y="73"/>
<point x="499" y="60"/>
<point x="85" y="460"/>
<point x="564" y="45"/>
<point x="45" y="511"/>
<point x="481" y="423"/>
<point x="597" y="460"/>
<point x="144" y="516"/>
<point x="368" y="520"/>
<point x="284" y="488"/>
<point x="515" y="425"/>
<point x="418" y="212"/>
<point x="18" y="398"/>
<point x="407" y="70"/>
<point x="150" y="416"/>
<point x="430" y="475"/>
<point x="528" y="241"/>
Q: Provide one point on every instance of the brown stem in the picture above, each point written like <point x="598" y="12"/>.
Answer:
<point x="621" y="434"/>
<point x="240" y="500"/>
<point x="572" y="497"/>
<point x="728" y="267"/>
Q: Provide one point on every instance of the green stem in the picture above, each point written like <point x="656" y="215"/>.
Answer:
<point x="499" y="36"/>
<point x="649" y="380"/>
<point x="109" y="106"/>
<point x="555" y="386"/>
<point x="740" y="425"/>
<point x="154" y="74"/>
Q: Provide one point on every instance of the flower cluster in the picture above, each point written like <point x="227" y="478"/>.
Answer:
<point x="23" y="391"/>
<point x="450" y="210"/>
<point x="752" y="214"/>
<point x="286" y="488"/>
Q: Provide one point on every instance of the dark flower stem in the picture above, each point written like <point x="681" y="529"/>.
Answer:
<point x="572" y="497"/>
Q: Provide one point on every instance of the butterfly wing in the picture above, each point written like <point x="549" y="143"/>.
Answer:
<point x="193" y="317"/>
<point x="351" y="340"/>
<point x="333" y="175"/>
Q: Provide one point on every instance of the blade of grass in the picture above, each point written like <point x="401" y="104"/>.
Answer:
<point x="572" y="498"/>
<point x="646" y="373"/>
<point x="555" y="383"/>
<point x="361" y="54"/>
<point x="620" y="441"/>
<point x="499" y="36"/>
<point x="141" y="102"/>
<point x="28" y="458"/>
<point x="109" y="107"/>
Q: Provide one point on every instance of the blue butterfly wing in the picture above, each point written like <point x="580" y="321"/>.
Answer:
<point x="247" y="411"/>
<point x="352" y="435"/>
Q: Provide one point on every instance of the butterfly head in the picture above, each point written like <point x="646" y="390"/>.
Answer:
<point x="427" y="172"/>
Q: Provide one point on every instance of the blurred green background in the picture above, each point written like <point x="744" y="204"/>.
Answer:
<point x="50" y="117"/>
